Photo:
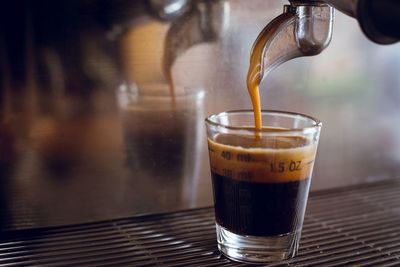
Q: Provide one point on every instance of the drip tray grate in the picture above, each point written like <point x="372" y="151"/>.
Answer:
<point x="357" y="226"/>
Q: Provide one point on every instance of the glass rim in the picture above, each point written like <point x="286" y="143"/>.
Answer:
<point x="317" y="122"/>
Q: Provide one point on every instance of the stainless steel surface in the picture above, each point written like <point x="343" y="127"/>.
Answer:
<point x="63" y="158"/>
<point x="347" y="226"/>
<point x="348" y="7"/>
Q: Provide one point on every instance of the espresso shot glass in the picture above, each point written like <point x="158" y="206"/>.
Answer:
<point x="261" y="179"/>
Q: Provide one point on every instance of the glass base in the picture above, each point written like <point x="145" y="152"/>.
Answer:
<point x="257" y="249"/>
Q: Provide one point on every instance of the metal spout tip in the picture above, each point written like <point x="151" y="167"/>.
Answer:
<point x="314" y="27"/>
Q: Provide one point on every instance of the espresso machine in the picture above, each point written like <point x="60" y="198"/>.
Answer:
<point x="72" y="130"/>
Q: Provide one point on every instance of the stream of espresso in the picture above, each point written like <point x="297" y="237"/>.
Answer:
<point x="257" y="67"/>
<point x="254" y="76"/>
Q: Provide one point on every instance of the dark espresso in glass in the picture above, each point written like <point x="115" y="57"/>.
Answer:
<point x="260" y="184"/>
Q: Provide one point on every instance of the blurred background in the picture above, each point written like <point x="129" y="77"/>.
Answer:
<point x="73" y="79"/>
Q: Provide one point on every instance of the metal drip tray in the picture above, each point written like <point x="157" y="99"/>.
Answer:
<point x="357" y="226"/>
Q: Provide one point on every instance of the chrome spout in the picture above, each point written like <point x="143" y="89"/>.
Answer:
<point x="313" y="28"/>
<point x="303" y="29"/>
